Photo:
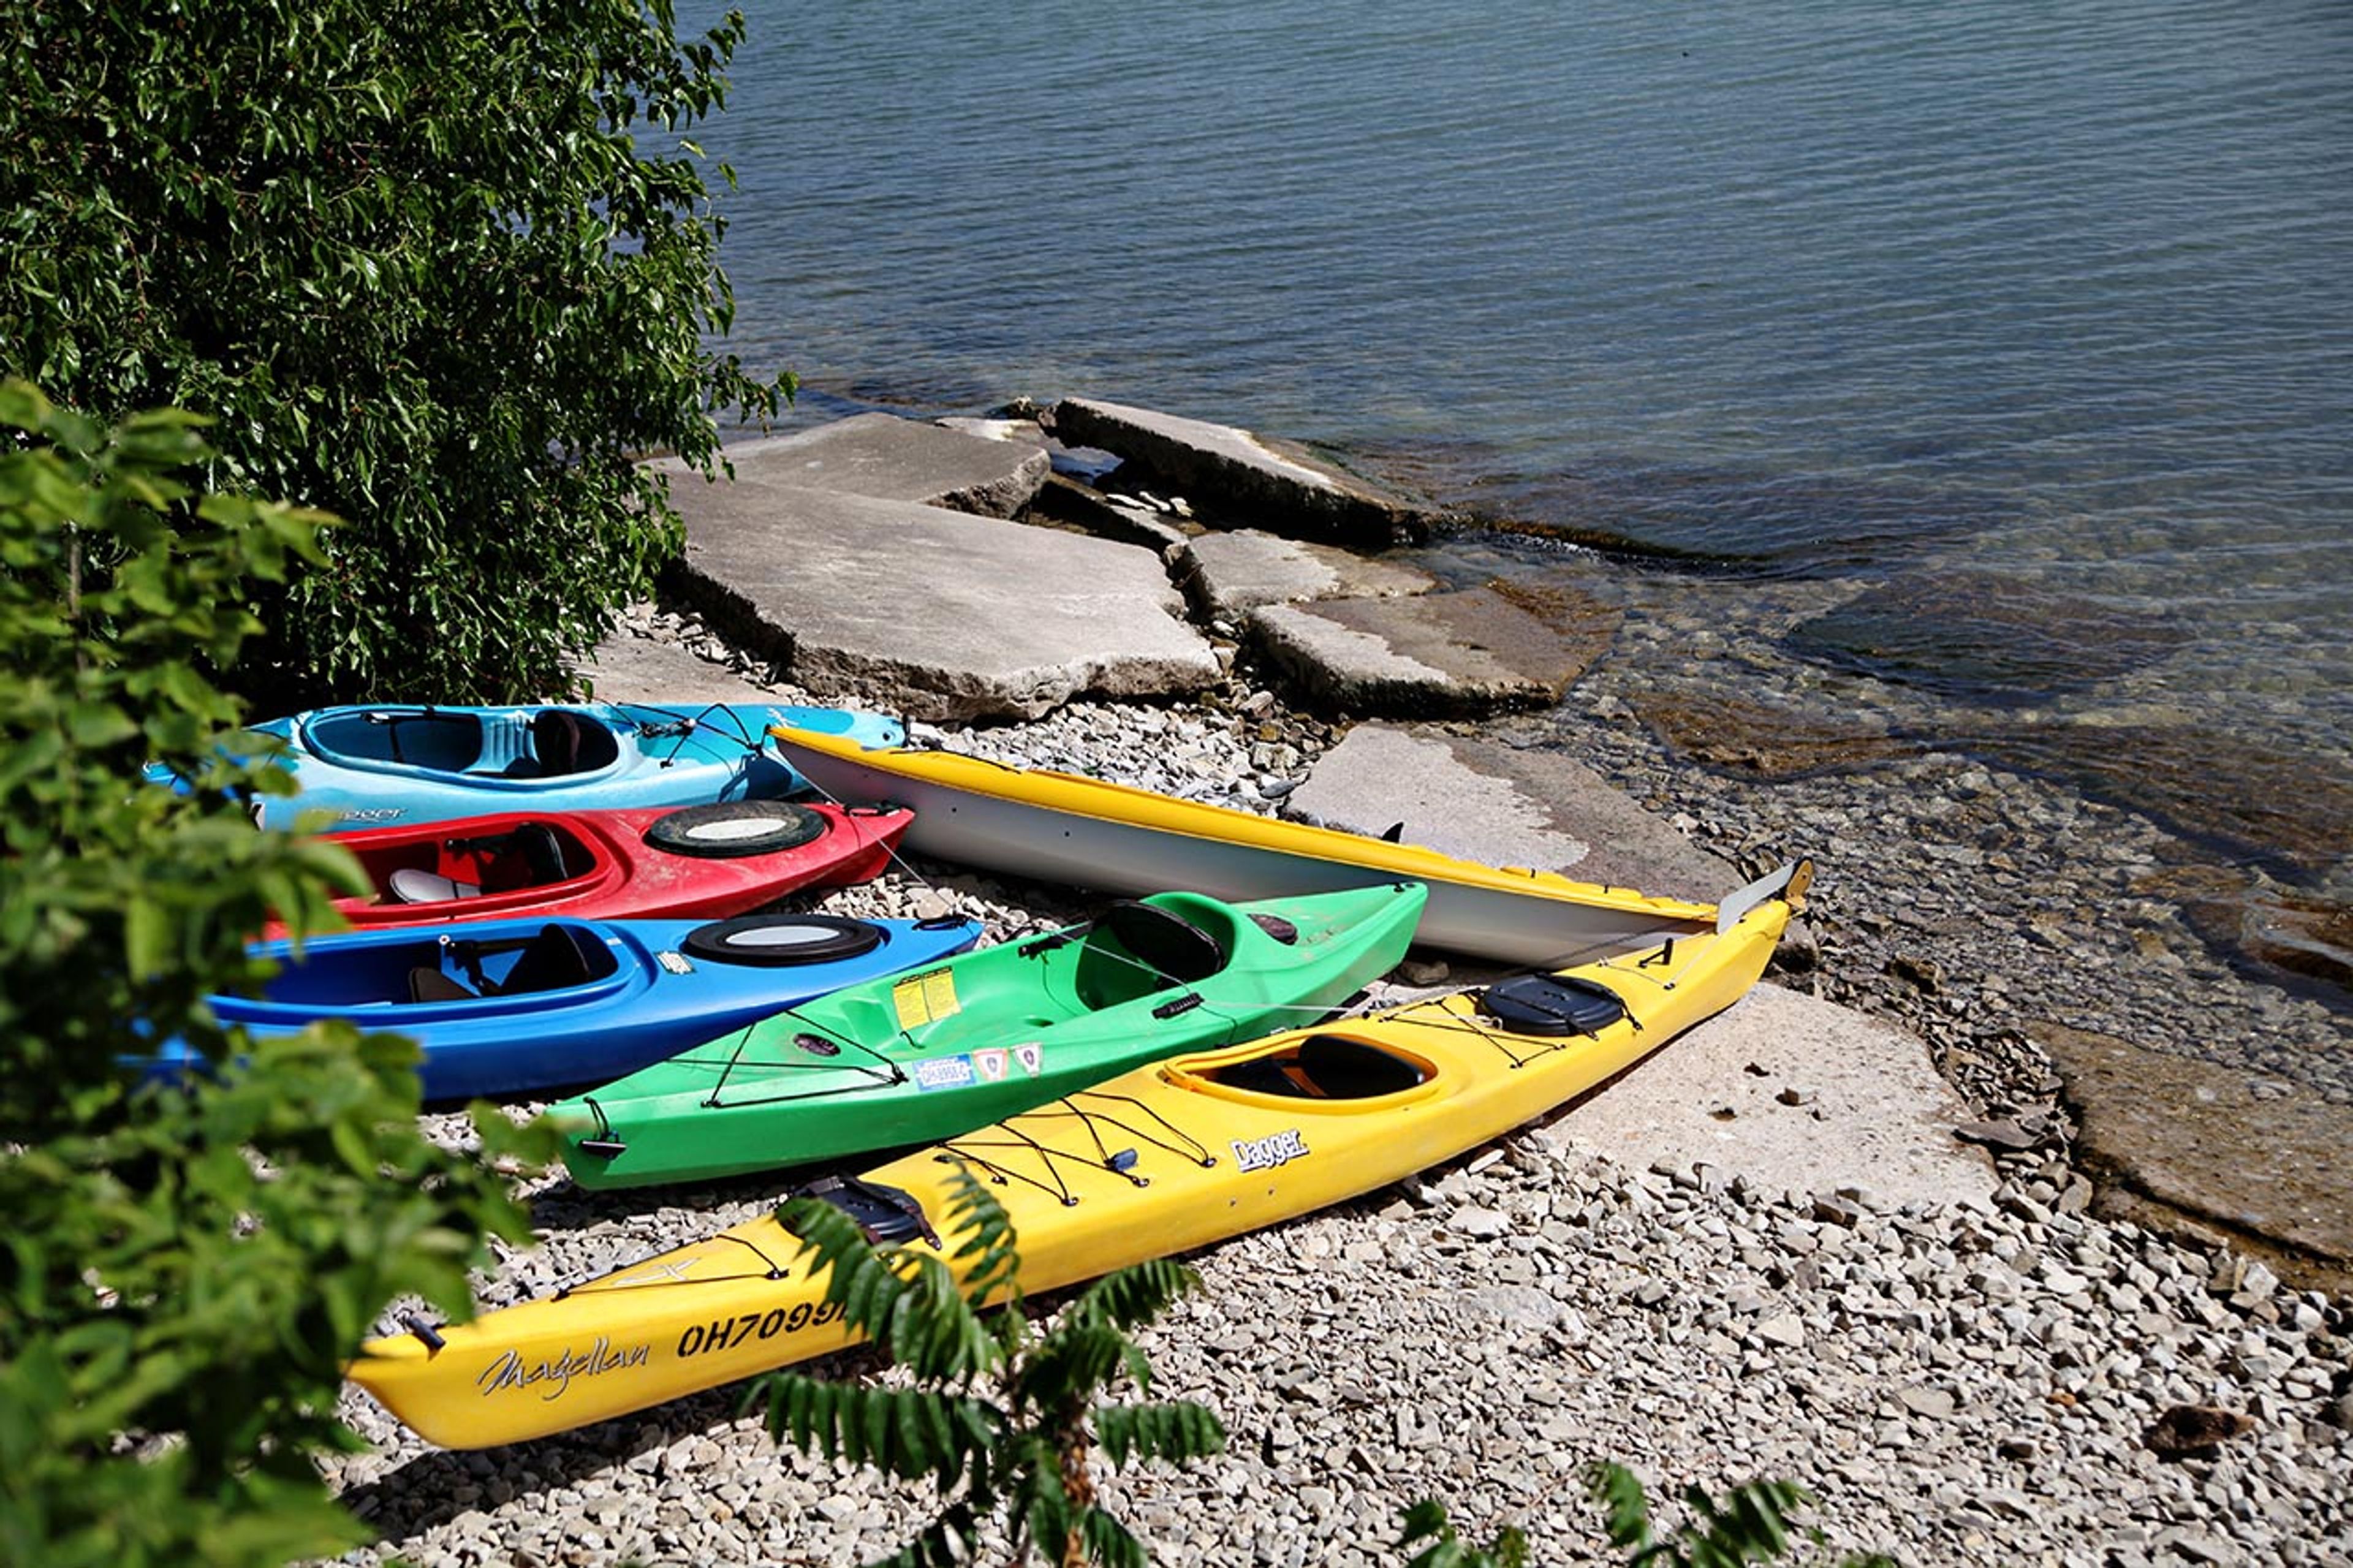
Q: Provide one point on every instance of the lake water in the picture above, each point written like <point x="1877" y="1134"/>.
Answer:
<point x="2025" y="327"/>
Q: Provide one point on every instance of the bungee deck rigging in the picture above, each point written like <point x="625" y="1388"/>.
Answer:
<point x="1164" y="1159"/>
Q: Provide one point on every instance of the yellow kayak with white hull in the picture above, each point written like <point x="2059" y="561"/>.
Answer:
<point x="1116" y="838"/>
<point x="1161" y="1160"/>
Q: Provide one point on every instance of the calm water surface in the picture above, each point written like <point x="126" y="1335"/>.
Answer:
<point x="2031" y="323"/>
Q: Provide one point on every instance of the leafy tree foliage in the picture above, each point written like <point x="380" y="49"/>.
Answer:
<point x="183" y="1271"/>
<point x="439" y="267"/>
<point x="1003" y="1418"/>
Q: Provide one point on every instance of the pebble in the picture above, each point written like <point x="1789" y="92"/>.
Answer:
<point x="1959" y="1383"/>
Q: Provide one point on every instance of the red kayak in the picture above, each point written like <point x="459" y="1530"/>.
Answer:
<point x="658" y="863"/>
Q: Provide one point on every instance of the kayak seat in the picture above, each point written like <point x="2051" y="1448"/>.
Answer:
<point x="413" y="885"/>
<point x="1323" y="1067"/>
<point x="562" y="744"/>
<point x="1343" y="1069"/>
<point x="554" y="959"/>
<point x="1174" y="948"/>
<point x="426" y="983"/>
<point x="531" y="856"/>
<point x="1136" y="948"/>
<point x="1260" y="1075"/>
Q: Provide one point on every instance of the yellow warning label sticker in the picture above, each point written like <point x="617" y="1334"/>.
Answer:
<point x="925" y="998"/>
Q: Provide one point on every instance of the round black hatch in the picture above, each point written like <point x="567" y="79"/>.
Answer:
<point x="775" y="940"/>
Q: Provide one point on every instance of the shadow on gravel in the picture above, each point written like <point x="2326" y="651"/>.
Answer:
<point x="435" y="1487"/>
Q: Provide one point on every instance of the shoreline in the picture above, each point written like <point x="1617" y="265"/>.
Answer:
<point x="1959" y="1383"/>
<point x="2255" y="831"/>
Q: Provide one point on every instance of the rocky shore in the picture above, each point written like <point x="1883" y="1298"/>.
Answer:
<point x="1996" y="1375"/>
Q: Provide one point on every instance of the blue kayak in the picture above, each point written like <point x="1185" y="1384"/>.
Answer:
<point x="387" y="764"/>
<point x="506" y="1006"/>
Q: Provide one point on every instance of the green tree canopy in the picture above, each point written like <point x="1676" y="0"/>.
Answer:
<point x="440" y="269"/>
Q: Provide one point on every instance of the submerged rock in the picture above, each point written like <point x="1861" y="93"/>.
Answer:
<point x="2190" y="1148"/>
<point x="1985" y="638"/>
<point x="1758" y="738"/>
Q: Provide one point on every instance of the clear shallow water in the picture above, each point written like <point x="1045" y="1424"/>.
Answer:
<point x="2054" y="300"/>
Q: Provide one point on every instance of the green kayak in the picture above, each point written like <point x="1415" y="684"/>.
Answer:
<point x="936" y="1052"/>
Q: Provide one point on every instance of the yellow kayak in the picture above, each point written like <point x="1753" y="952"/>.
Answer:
<point x="1159" y="1161"/>
<point x="1090" y="832"/>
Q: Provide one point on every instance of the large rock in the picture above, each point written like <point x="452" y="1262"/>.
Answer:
<point x="1500" y="805"/>
<point x="890" y="459"/>
<point x="1228" y="573"/>
<point x="1235" y="479"/>
<point x="2186" y="1147"/>
<point x="1795" y="1094"/>
<point x="1463" y="653"/>
<point x="950" y="616"/>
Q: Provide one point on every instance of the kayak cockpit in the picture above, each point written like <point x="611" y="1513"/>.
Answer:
<point x="551" y="742"/>
<point x="558" y="957"/>
<point x="531" y="856"/>
<point x="1326" y="1066"/>
<point x="1138" y="948"/>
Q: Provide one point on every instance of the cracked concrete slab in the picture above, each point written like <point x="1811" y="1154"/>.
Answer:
<point x="2188" y="1148"/>
<point x="1230" y="572"/>
<point x="626" y="668"/>
<point x="1474" y="651"/>
<point x="1795" y="1094"/>
<point x="1234" y="478"/>
<point x="890" y="458"/>
<point x="952" y="616"/>
<point x="1485" y="801"/>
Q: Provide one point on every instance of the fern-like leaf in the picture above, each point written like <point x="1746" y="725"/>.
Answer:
<point x="915" y="1434"/>
<point x="1175" y="1431"/>
<point x="1620" y="1492"/>
<point x="1068" y="1366"/>
<point x="1132" y="1296"/>
<point x="859" y="1278"/>
<point x="1108" y="1541"/>
<point x="984" y="1251"/>
<point x="935" y="1332"/>
<point x="948" y="1542"/>
<point x="1040" y="1503"/>
<point x="1426" y="1520"/>
<point x="1750" y="1524"/>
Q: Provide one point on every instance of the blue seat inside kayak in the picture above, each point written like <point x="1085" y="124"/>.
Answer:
<point x="557" y="959"/>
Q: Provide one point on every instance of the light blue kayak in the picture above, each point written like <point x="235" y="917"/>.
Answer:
<point x="385" y="763"/>
<point x="506" y="1007"/>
